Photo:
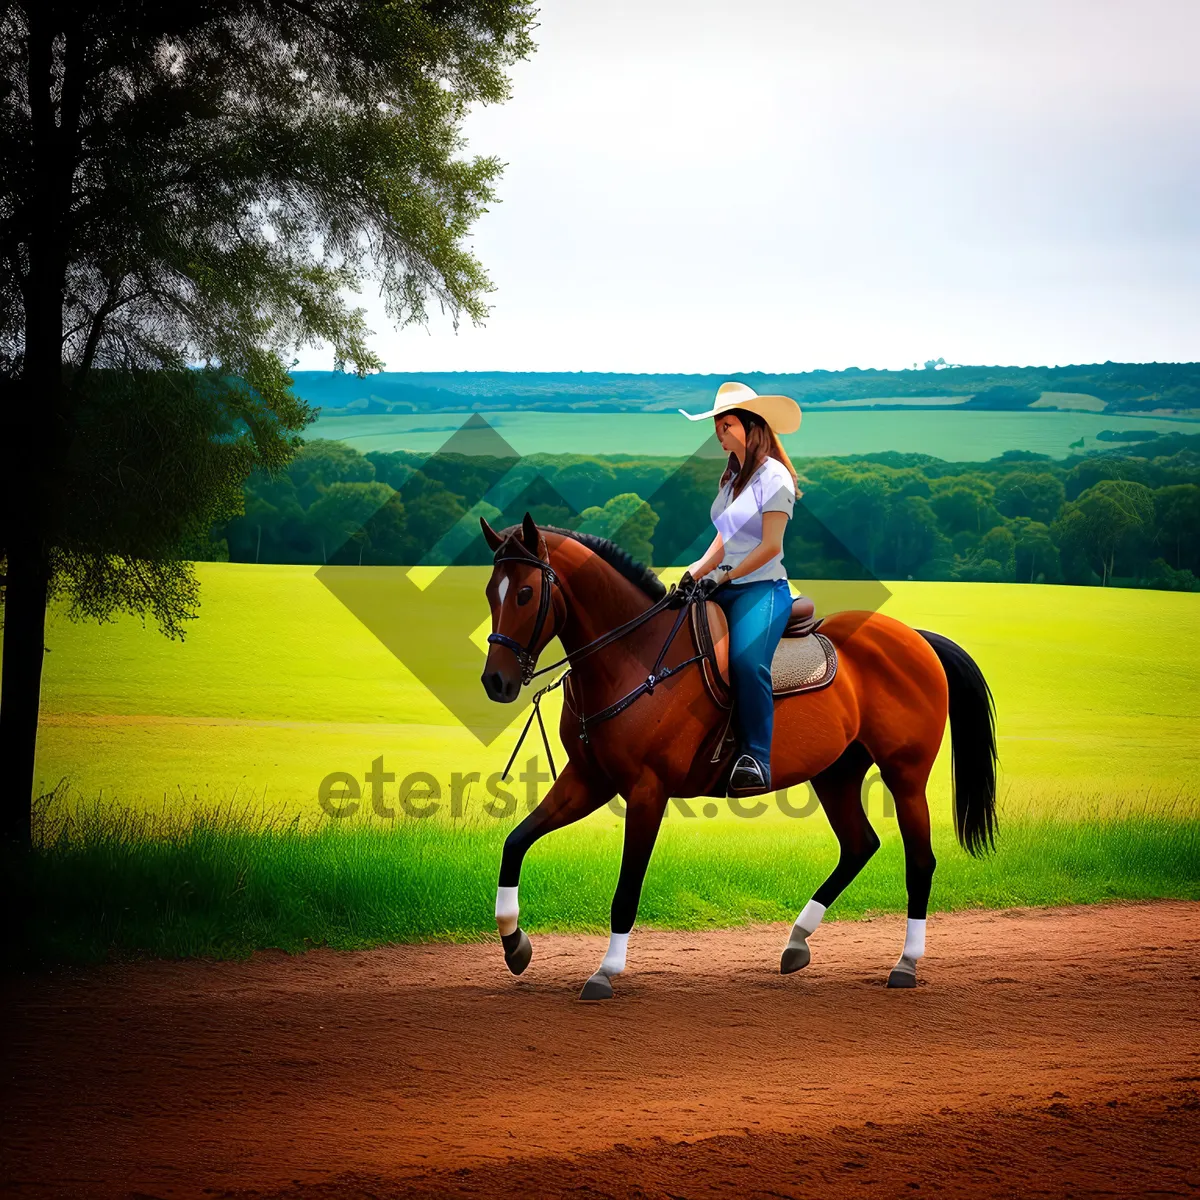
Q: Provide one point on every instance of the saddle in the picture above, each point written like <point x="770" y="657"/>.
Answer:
<point x="805" y="660"/>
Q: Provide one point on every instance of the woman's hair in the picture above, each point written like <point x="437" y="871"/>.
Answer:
<point x="761" y="442"/>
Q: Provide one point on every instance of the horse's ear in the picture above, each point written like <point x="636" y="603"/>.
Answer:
<point x="529" y="534"/>
<point x="492" y="537"/>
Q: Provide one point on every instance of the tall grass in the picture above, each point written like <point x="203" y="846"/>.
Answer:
<point x="225" y="882"/>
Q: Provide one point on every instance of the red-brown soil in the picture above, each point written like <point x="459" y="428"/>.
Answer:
<point x="1046" y="1052"/>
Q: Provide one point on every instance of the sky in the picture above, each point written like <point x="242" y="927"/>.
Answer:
<point x="781" y="185"/>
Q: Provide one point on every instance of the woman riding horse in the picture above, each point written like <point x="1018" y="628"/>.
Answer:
<point x="754" y="502"/>
<point x="639" y="721"/>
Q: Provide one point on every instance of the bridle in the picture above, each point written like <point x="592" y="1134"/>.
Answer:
<point x="526" y="658"/>
<point x="528" y="661"/>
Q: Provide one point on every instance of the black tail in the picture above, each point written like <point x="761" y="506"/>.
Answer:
<point x="972" y="745"/>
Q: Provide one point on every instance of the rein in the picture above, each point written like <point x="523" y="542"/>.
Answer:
<point x="527" y="660"/>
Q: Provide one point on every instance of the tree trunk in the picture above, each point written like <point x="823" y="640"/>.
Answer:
<point x="40" y="421"/>
<point x="24" y="651"/>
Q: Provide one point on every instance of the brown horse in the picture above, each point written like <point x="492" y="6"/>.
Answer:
<point x="888" y="704"/>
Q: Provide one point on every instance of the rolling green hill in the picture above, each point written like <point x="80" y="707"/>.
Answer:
<point x="955" y="434"/>
<point x="1108" y="387"/>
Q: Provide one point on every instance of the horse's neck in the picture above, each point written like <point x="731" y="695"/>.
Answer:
<point x="600" y="599"/>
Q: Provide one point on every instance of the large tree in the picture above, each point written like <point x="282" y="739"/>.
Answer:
<point x="1111" y="516"/>
<point x="187" y="192"/>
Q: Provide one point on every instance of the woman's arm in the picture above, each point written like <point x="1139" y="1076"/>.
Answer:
<point x="774" y="523"/>
<point x="710" y="561"/>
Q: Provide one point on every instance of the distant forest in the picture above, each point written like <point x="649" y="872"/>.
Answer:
<point x="1137" y="388"/>
<point x="1128" y="517"/>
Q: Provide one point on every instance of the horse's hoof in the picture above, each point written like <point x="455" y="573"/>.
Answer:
<point x="902" y="977"/>
<point x="599" y="987"/>
<point x="517" y="951"/>
<point x="794" y="957"/>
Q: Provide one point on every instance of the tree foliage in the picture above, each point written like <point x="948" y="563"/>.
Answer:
<point x="858" y="515"/>
<point x="220" y="173"/>
<point x="625" y="519"/>
<point x="1110" y="515"/>
<point x="193" y="185"/>
<point x="1034" y="494"/>
<point x="202" y="183"/>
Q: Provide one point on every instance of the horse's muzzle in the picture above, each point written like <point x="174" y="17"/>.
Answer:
<point x="499" y="687"/>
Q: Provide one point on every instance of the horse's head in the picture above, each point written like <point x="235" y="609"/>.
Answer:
<point x="524" y="614"/>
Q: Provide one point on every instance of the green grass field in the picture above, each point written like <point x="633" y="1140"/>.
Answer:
<point x="954" y="436"/>
<point x="190" y="775"/>
<point x="215" y="889"/>
<point x="278" y="684"/>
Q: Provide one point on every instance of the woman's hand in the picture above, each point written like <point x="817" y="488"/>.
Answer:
<point x="690" y="588"/>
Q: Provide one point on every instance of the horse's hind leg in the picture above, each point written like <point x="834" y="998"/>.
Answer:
<point x="906" y="782"/>
<point x="839" y="788"/>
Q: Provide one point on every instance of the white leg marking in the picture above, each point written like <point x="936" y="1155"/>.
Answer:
<point x="810" y="918"/>
<point x="914" y="939"/>
<point x="614" y="960"/>
<point x="507" y="910"/>
<point x="796" y="953"/>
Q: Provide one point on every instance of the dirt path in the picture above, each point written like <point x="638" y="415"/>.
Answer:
<point x="1047" y="1052"/>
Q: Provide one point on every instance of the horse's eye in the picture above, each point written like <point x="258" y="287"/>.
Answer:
<point x="525" y="595"/>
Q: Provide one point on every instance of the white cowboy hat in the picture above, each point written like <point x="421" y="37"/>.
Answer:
<point x="782" y="413"/>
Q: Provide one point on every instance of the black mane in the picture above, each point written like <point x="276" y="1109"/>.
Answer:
<point x="619" y="559"/>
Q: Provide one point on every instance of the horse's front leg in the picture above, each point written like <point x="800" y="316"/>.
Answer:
<point x="644" y="814"/>
<point x="573" y="795"/>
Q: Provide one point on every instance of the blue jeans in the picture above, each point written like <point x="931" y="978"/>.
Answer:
<point x="757" y="613"/>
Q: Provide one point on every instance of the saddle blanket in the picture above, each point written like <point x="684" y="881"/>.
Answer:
<point x="801" y="664"/>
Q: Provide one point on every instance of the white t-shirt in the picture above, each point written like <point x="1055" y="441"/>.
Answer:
<point x="739" y="521"/>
